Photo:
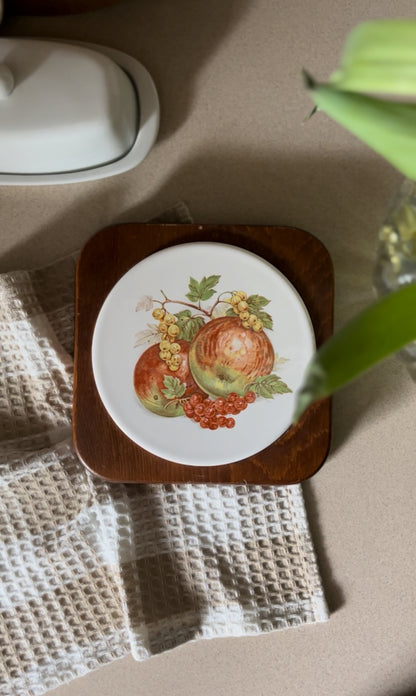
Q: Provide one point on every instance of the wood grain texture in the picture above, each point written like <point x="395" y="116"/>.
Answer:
<point x="102" y="446"/>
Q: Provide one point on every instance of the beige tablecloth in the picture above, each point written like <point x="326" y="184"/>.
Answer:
<point x="90" y="571"/>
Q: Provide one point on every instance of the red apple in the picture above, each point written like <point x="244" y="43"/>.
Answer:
<point x="149" y="374"/>
<point x="225" y="356"/>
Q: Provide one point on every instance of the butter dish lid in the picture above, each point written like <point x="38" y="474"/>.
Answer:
<point x="63" y="108"/>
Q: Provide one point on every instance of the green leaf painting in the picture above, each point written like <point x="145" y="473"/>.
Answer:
<point x="173" y="389"/>
<point x="213" y="356"/>
<point x="255" y="306"/>
<point x="188" y="324"/>
<point x="204" y="290"/>
<point x="268" y="385"/>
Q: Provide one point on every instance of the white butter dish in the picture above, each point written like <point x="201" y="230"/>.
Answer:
<point x="72" y="112"/>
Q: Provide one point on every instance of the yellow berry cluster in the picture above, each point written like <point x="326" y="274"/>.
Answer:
<point x="169" y="330"/>
<point x="240" y="307"/>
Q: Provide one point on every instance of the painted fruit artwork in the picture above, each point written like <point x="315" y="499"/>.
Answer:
<point x="209" y="356"/>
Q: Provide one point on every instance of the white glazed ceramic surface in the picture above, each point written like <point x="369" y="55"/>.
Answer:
<point x="125" y="321"/>
<point x="71" y="108"/>
<point x="106" y="135"/>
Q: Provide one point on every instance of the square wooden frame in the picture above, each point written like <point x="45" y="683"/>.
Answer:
<point x="102" y="446"/>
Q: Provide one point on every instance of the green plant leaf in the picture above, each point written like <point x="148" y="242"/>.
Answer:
<point x="267" y="386"/>
<point x="203" y="290"/>
<point x="381" y="329"/>
<point x="188" y="325"/>
<point x="174" y="389"/>
<point x="379" y="56"/>
<point x="389" y="128"/>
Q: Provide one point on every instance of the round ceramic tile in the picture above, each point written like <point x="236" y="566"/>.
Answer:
<point x="229" y="329"/>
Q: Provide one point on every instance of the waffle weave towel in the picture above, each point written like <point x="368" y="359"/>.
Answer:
<point x="91" y="571"/>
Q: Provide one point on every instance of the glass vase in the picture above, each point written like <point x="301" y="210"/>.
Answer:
<point x="396" y="255"/>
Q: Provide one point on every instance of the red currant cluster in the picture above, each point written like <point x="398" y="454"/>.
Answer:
<point x="217" y="413"/>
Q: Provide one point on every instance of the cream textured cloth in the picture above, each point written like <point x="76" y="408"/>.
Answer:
<point x="90" y="571"/>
